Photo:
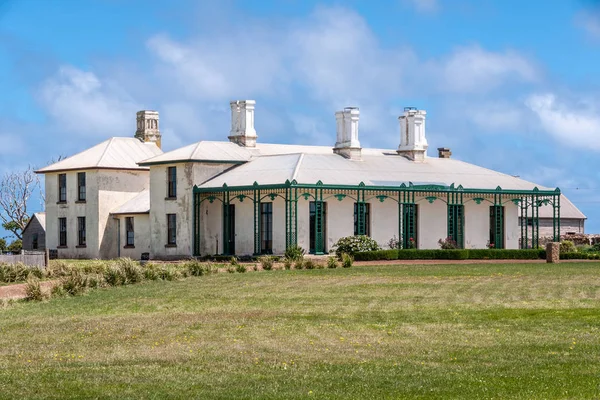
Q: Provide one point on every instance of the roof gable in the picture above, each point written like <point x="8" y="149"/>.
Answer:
<point x="114" y="153"/>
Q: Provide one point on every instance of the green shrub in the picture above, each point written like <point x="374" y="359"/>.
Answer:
<point x="240" y="268"/>
<point x="58" y="291"/>
<point x="74" y="284"/>
<point x="294" y="253"/>
<point x="231" y="270"/>
<point x="596" y="247"/>
<point x="168" y="273"/>
<point x="195" y="268"/>
<point x="132" y="272"/>
<point x="347" y="260"/>
<point x="505" y="254"/>
<point x="58" y="268"/>
<point x="150" y="272"/>
<point x="95" y="281"/>
<point x="287" y="263"/>
<point x="14" y="272"/>
<point x="33" y="290"/>
<point x="577" y="256"/>
<point x="355" y="244"/>
<point x="377" y="255"/>
<point x="567" y="246"/>
<point x="299" y="264"/>
<point x="266" y="262"/>
<point x="114" y="275"/>
<point x="332" y="262"/>
<point x="233" y="261"/>
<point x="448" y="244"/>
<point x="309" y="264"/>
<point x="451" y="254"/>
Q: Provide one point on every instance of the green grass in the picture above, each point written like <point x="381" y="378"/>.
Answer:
<point x="454" y="331"/>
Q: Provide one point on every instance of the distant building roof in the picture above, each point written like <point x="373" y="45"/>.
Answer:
<point x="567" y="210"/>
<point x="140" y="204"/>
<point x="40" y="216"/>
<point x="114" y="153"/>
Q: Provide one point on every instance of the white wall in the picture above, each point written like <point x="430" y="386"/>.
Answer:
<point x="340" y="220"/>
<point x="141" y="239"/>
<point x="71" y="210"/>
<point x="512" y="230"/>
<point x="188" y="175"/>
<point x="384" y="221"/>
<point x="432" y="224"/>
<point x="244" y="227"/>
<point x="477" y="224"/>
<point x="115" y="188"/>
<point x="211" y="227"/>
<point x="304" y="223"/>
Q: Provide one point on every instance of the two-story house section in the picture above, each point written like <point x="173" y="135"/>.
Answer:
<point x="84" y="190"/>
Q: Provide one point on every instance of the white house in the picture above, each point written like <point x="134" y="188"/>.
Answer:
<point x="245" y="197"/>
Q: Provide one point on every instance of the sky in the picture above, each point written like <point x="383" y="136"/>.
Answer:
<point x="510" y="85"/>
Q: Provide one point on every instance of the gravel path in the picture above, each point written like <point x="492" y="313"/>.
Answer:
<point x="17" y="291"/>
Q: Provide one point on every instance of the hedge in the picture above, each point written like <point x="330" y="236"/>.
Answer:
<point x="580" y="256"/>
<point x="458" y="254"/>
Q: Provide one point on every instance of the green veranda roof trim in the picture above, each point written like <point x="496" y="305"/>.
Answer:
<point x="361" y="186"/>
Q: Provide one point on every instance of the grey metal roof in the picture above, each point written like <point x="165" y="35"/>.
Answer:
<point x="209" y="151"/>
<point x="384" y="169"/>
<point x="140" y="204"/>
<point x="567" y="210"/>
<point x="114" y="153"/>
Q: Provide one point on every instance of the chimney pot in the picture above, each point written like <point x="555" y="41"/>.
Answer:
<point x="413" y="143"/>
<point x="347" y="143"/>
<point x="444" y="152"/>
<point x="147" y="127"/>
<point x="242" y="123"/>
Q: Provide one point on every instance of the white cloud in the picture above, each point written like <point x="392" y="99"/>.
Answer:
<point x="497" y="116"/>
<point x="576" y="126"/>
<point x="221" y="67"/>
<point x="424" y="6"/>
<point x="473" y="69"/>
<point x="312" y="65"/>
<point x="81" y="103"/>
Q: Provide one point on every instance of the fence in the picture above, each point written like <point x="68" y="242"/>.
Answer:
<point x="31" y="258"/>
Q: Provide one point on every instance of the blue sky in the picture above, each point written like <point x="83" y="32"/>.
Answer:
<point x="509" y="85"/>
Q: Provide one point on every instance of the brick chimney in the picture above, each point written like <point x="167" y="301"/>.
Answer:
<point x="242" y="123"/>
<point x="444" y="152"/>
<point x="347" y="144"/>
<point x="147" y="127"/>
<point x="413" y="144"/>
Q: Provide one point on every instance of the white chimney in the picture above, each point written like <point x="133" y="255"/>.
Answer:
<point x="147" y="127"/>
<point x="242" y="123"/>
<point x="413" y="144"/>
<point x="347" y="144"/>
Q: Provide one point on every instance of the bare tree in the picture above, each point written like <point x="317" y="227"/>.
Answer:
<point x="15" y="190"/>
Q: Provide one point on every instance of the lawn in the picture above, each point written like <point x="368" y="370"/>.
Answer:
<point x="437" y="331"/>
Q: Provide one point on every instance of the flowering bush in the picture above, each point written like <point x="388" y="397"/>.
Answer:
<point x="448" y="244"/>
<point x="490" y="245"/>
<point x="395" y="243"/>
<point x="567" y="246"/>
<point x="354" y="244"/>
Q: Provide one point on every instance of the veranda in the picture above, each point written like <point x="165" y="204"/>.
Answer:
<point x="304" y="207"/>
